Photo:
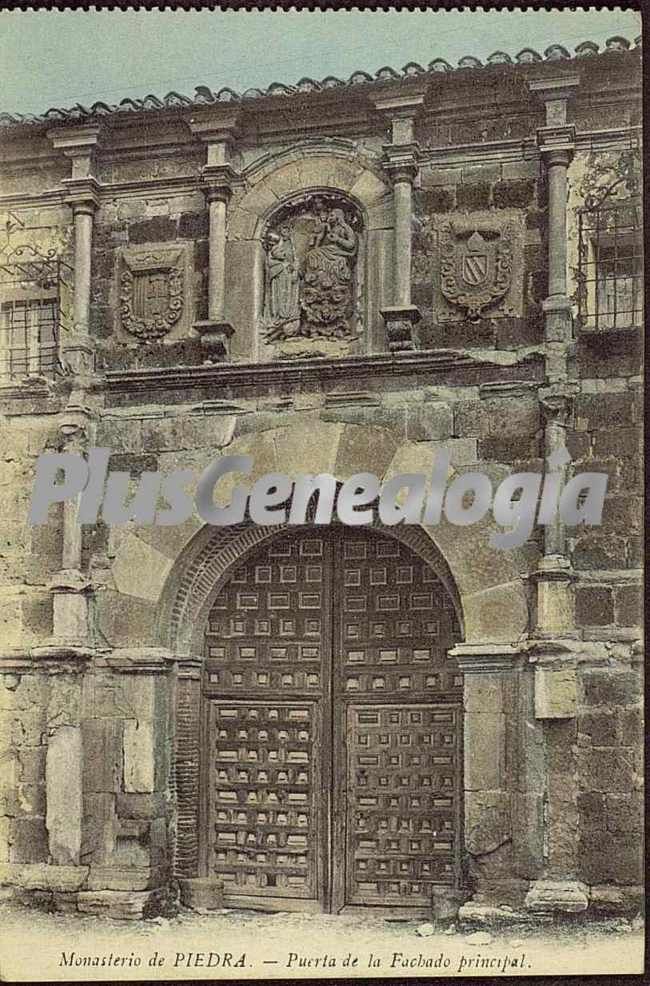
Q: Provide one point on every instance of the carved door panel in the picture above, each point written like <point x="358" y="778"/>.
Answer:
<point x="267" y="682"/>
<point x="332" y="726"/>
<point x="400" y="738"/>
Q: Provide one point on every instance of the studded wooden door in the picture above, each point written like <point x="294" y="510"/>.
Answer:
<point x="332" y="726"/>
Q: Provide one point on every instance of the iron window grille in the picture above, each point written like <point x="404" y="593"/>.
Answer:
<point x="610" y="264"/>
<point x="31" y="285"/>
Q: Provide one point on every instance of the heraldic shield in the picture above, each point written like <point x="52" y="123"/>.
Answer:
<point x="475" y="267"/>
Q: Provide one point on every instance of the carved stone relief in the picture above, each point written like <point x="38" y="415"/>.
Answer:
<point x="312" y="284"/>
<point x="152" y="290"/>
<point x="479" y="269"/>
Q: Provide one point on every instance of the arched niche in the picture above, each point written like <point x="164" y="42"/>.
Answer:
<point x="329" y="169"/>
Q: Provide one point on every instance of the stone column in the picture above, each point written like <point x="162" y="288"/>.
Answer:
<point x="401" y="164"/>
<point x="556" y="142"/>
<point x="82" y="195"/>
<point x="217" y="128"/>
<point x="551" y="646"/>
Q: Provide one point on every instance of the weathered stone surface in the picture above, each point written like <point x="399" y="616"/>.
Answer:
<point x="607" y="770"/>
<point x="555" y="693"/>
<point x="364" y="450"/>
<point x="63" y="777"/>
<point x="44" y="876"/>
<point x="28" y="840"/>
<point x="202" y="894"/>
<point x="484" y="751"/>
<point x="140" y="805"/>
<point x="594" y="606"/>
<point x="599" y="728"/>
<point x="123" y="877"/>
<point x="99" y="827"/>
<point x="119" y="905"/>
<point x="429" y="422"/>
<point x="552" y="896"/>
<point x="487" y="821"/>
<point x="611" y="687"/>
<point x="102" y="755"/>
<point x="135" y="558"/>
<point x="616" y="900"/>
<point x="476" y="914"/>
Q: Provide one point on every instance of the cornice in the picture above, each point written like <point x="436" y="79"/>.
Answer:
<point x="321" y="369"/>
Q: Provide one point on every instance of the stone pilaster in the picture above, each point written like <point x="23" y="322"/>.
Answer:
<point x="217" y="130"/>
<point x="401" y="164"/>
<point x="71" y="588"/>
<point x="491" y="673"/>
<point x="556" y="142"/>
<point x="554" y="576"/>
<point x="82" y="195"/>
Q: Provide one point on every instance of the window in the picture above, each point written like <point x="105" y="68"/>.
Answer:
<point x="30" y="314"/>
<point x="610" y="268"/>
<point x="28" y="338"/>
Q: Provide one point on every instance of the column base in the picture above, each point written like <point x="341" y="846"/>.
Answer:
<point x="558" y="319"/>
<point x="78" y="355"/>
<point x="557" y="897"/>
<point x="201" y="894"/>
<point x="215" y="336"/>
<point x="400" y="321"/>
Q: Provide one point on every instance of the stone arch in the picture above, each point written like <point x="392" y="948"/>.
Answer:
<point x="332" y="164"/>
<point x="213" y="553"/>
<point x="489" y="584"/>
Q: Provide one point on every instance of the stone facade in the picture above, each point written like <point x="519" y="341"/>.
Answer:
<point x="175" y="348"/>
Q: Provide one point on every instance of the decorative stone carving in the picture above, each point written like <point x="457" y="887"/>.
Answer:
<point x="152" y="287"/>
<point x="475" y="269"/>
<point x="312" y="282"/>
<point x="479" y="270"/>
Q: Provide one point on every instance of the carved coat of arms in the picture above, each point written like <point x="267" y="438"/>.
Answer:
<point x="475" y="267"/>
<point x="152" y="292"/>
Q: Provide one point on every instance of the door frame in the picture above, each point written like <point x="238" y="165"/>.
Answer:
<point x="331" y="880"/>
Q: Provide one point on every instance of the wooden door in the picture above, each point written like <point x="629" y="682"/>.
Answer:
<point x="332" y="726"/>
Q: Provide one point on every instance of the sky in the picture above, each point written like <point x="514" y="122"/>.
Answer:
<point x="58" y="58"/>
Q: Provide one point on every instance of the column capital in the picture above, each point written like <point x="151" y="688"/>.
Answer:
<point x="216" y="124"/>
<point x="401" y="110"/>
<point x="401" y="161"/>
<point x="217" y="181"/>
<point x="555" y="93"/>
<point x="557" y="401"/>
<point x="74" y="141"/>
<point x="79" y="144"/>
<point x="82" y="194"/>
<point x="557" y="144"/>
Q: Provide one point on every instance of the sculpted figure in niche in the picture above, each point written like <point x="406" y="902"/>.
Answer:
<point x="283" y="300"/>
<point x="327" y="301"/>
<point x="311" y="286"/>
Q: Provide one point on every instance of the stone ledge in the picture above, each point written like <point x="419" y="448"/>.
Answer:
<point x="42" y="876"/>
<point x="475" y="914"/>
<point x="553" y="896"/>
<point x="130" y="879"/>
<point x="608" y="899"/>
<point x="120" y="905"/>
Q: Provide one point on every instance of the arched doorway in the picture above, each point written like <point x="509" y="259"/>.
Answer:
<point x="331" y="738"/>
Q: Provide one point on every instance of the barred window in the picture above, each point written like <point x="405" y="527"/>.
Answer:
<point x="28" y="338"/>
<point x="610" y="265"/>
<point x="30" y="312"/>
